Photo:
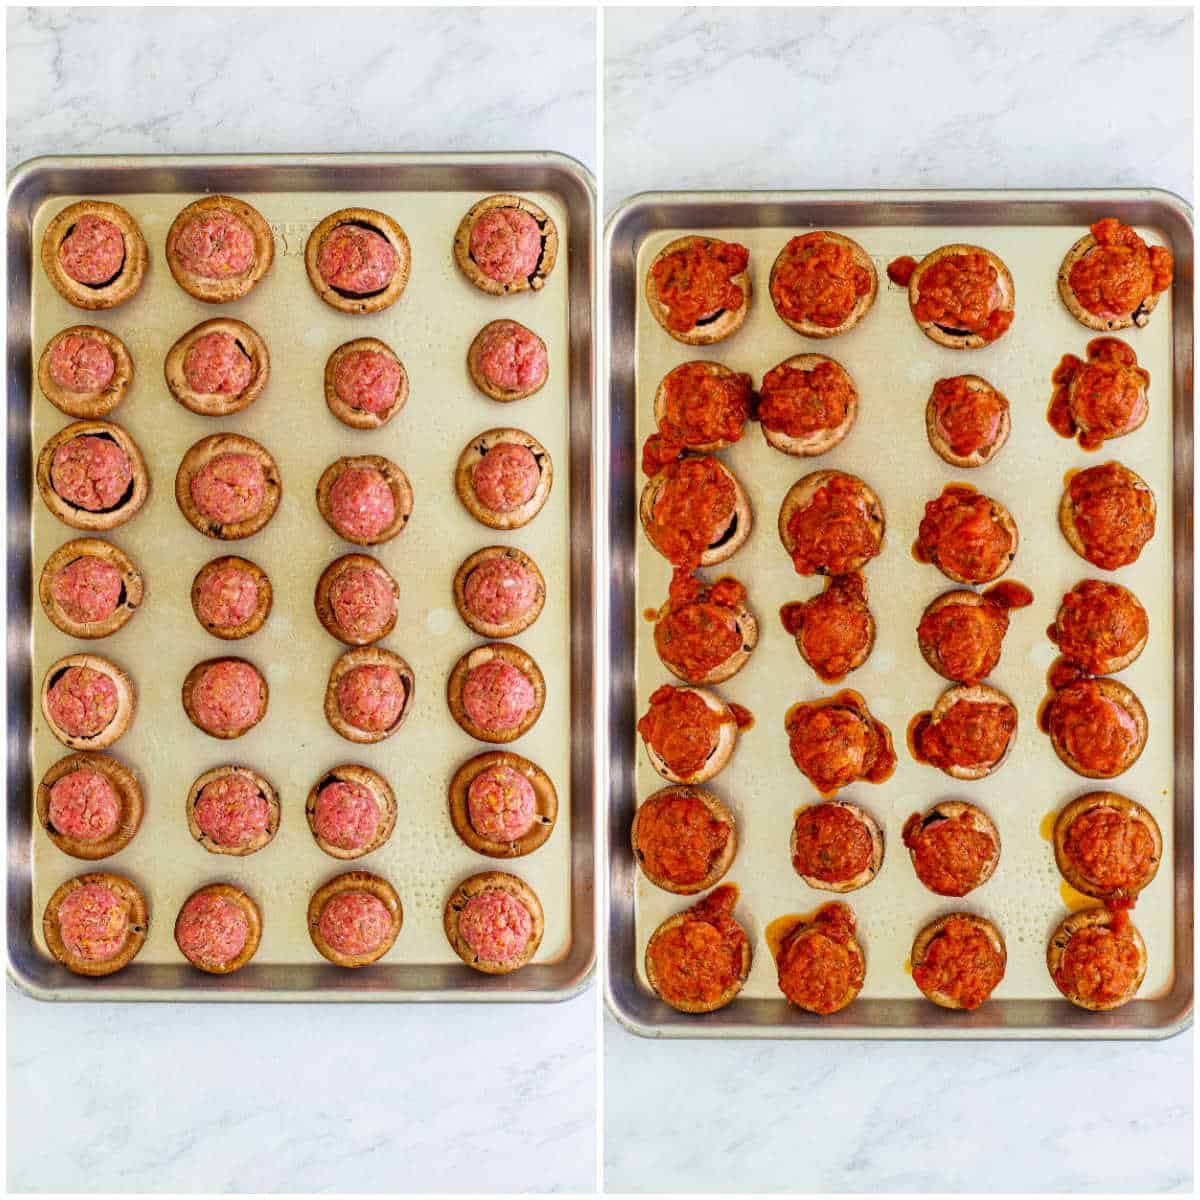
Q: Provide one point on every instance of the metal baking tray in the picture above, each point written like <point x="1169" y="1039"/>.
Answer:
<point x="894" y="367"/>
<point x="430" y="328"/>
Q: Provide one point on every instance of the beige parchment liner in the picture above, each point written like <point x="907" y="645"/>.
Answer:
<point x="894" y="367"/>
<point x="430" y="328"/>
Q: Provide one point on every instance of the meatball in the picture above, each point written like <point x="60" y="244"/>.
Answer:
<point x="367" y="380"/>
<point x="500" y="590"/>
<point x="506" y="244"/>
<point x="501" y="804"/>
<point x="361" y="503"/>
<point x="216" y="364"/>
<point x="91" y="472"/>
<point x="93" y="252"/>
<point x="371" y="697"/>
<point x="354" y="923"/>
<point x="506" y="477"/>
<point x="84" y="805"/>
<point x="228" y="697"/>
<point x="346" y="815"/>
<point x="228" y="597"/>
<point x="362" y="601"/>
<point x="495" y="925"/>
<point x="211" y="930"/>
<point x="87" y="589"/>
<point x="229" y="488"/>
<point x="232" y="812"/>
<point x="93" y="922"/>
<point x="356" y="260"/>
<point x="497" y="696"/>
<point x="82" y="701"/>
<point x="215" y="244"/>
<point x="81" y="363"/>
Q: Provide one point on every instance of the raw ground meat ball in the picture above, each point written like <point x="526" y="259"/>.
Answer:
<point x="506" y="477"/>
<point x="93" y="252"/>
<point x="506" y="244"/>
<point x="215" y="244"/>
<point x="495" y="925"/>
<point x="90" y="472"/>
<point x="371" y="698"/>
<point x="211" y="930"/>
<point x="346" y="815"/>
<point x="362" y="601"/>
<point x="228" y="597"/>
<point x="87" y="589"/>
<point x="356" y="260"/>
<point x="501" y="804"/>
<point x="81" y="363"/>
<point x="355" y="922"/>
<point x="82" y="701"/>
<point x="228" y="697"/>
<point x="500" y="590"/>
<point x="229" y="488"/>
<point x="215" y="363"/>
<point x="93" y="922"/>
<point x="367" y="380"/>
<point x="497" y="696"/>
<point x="513" y="358"/>
<point x="84" y="805"/>
<point x="361" y="502"/>
<point x="231" y="811"/>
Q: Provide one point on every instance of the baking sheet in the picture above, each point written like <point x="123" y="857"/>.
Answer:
<point x="430" y="328"/>
<point x="894" y="366"/>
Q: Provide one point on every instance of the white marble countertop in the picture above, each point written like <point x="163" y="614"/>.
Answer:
<point x="283" y="1098"/>
<point x="822" y="99"/>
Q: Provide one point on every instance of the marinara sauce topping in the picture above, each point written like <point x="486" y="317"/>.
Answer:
<point x="971" y="733"/>
<point x="836" y="741"/>
<point x="798" y="402"/>
<point x="817" y="280"/>
<point x="693" y="510"/>
<point x="1098" y="624"/>
<point x="961" y="292"/>
<point x="699" y="631"/>
<point x="1110" y="848"/>
<point x="1120" y="272"/>
<point x="1113" y="516"/>
<point x="701" y="407"/>
<point x="1101" y="398"/>
<point x="950" y="856"/>
<point x="678" y="838"/>
<point x="1091" y="726"/>
<point x="960" y="532"/>
<point x="695" y="282"/>
<point x="700" y="959"/>
<point x="832" y="533"/>
<point x="966" y="639"/>
<point x="961" y="963"/>
<point x="820" y="965"/>
<point x="830" y="843"/>
<point x="1100" y="964"/>
<point x="834" y="628"/>
<point x="967" y="417"/>
<point x="681" y="728"/>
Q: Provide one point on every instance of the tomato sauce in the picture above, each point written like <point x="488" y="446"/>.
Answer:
<point x="698" y="629"/>
<point x="834" y="628"/>
<point x="970" y="734"/>
<point x="1099" y="964"/>
<point x="1090" y="726"/>
<point x="1101" y="398"/>
<point x="820" y="965"/>
<point x="1098" y="625"/>
<point x="1110" y="849"/>
<point x="961" y="533"/>
<point x="700" y="959"/>
<point x="695" y="283"/>
<point x="1009" y="594"/>
<point x="832" y="533"/>
<point x="968" y="418"/>
<point x="836" y="741"/>
<point x="961" y="294"/>
<point x="798" y="402"/>
<point x="961" y="963"/>
<point x="966" y="639"/>
<point x="701" y="408"/>
<point x="1113" y="516"/>
<point x="1120" y="272"/>
<point x="830" y="843"/>
<point x="678" y="838"/>
<point x="817" y="280"/>
<point x="950" y="856"/>
<point x="900" y="270"/>
<point x="694" y="509"/>
<point x="681" y="728"/>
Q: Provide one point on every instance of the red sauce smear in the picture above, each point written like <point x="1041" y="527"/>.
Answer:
<point x="1098" y="625"/>
<point x="1120" y="272"/>
<point x="695" y="283"/>
<point x="1102" y="398"/>
<point x="836" y="741"/>
<point x="1099" y="964"/>
<point x="950" y="856"/>
<point x="798" y="402"/>
<point x="834" y="628"/>
<point x="970" y="734"/>
<point x="702" y="408"/>
<point x="1111" y="850"/>
<point x="1091" y="726"/>
<point x="966" y="639"/>
<point x="1009" y="594"/>
<point x="962" y="293"/>
<point x="820" y="966"/>
<point x="678" y="838"/>
<point x="1113" y="515"/>
<point x="960" y="531"/>
<point x="968" y="417"/>
<point x="960" y="962"/>
<point x="698" y="630"/>
<point x="693" y="510"/>
<point x="681" y="728"/>
<point x="817" y="280"/>
<point x="700" y="959"/>
<point x="900" y="270"/>
<point x="832" y="534"/>
<point x="831" y="843"/>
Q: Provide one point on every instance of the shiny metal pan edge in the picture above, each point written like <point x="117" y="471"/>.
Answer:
<point x="28" y="185"/>
<point x="630" y="1002"/>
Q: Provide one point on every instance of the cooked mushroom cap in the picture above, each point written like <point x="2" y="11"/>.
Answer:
<point x="354" y="881"/>
<point x="381" y="792"/>
<point x="126" y="701"/>
<point x="139" y="923"/>
<point x="489" y="881"/>
<point x="800" y="496"/>
<point x="1129" y="809"/>
<point x="485" y="283"/>
<point x="861" y="306"/>
<point x="128" y="279"/>
<point x="250" y="910"/>
<point x="716" y="329"/>
<point x="959" y="339"/>
<point x="129" y="794"/>
<point x="722" y="748"/>
<point x="545" y="803"/>
<point x="265" y="789"/>
<point x="377" y="222"/>
<point x="218" y="404"/>
<point x="719" y="866"/>
<point x="985" y="454"/>
<point x="229" y="287"/>
<point x="729" y="543"/>
<point x="868" y="872"/>
<point x="1084" y="919"/>
<point x="202" y="453"/>
<point x="926" y="937"/>
<point x="1126" y="699"/>
<point x="1140" y="315"/>
<point x="87" y="405"/>
<point x="82" y="518"/>
<point x="820" y="441"/>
